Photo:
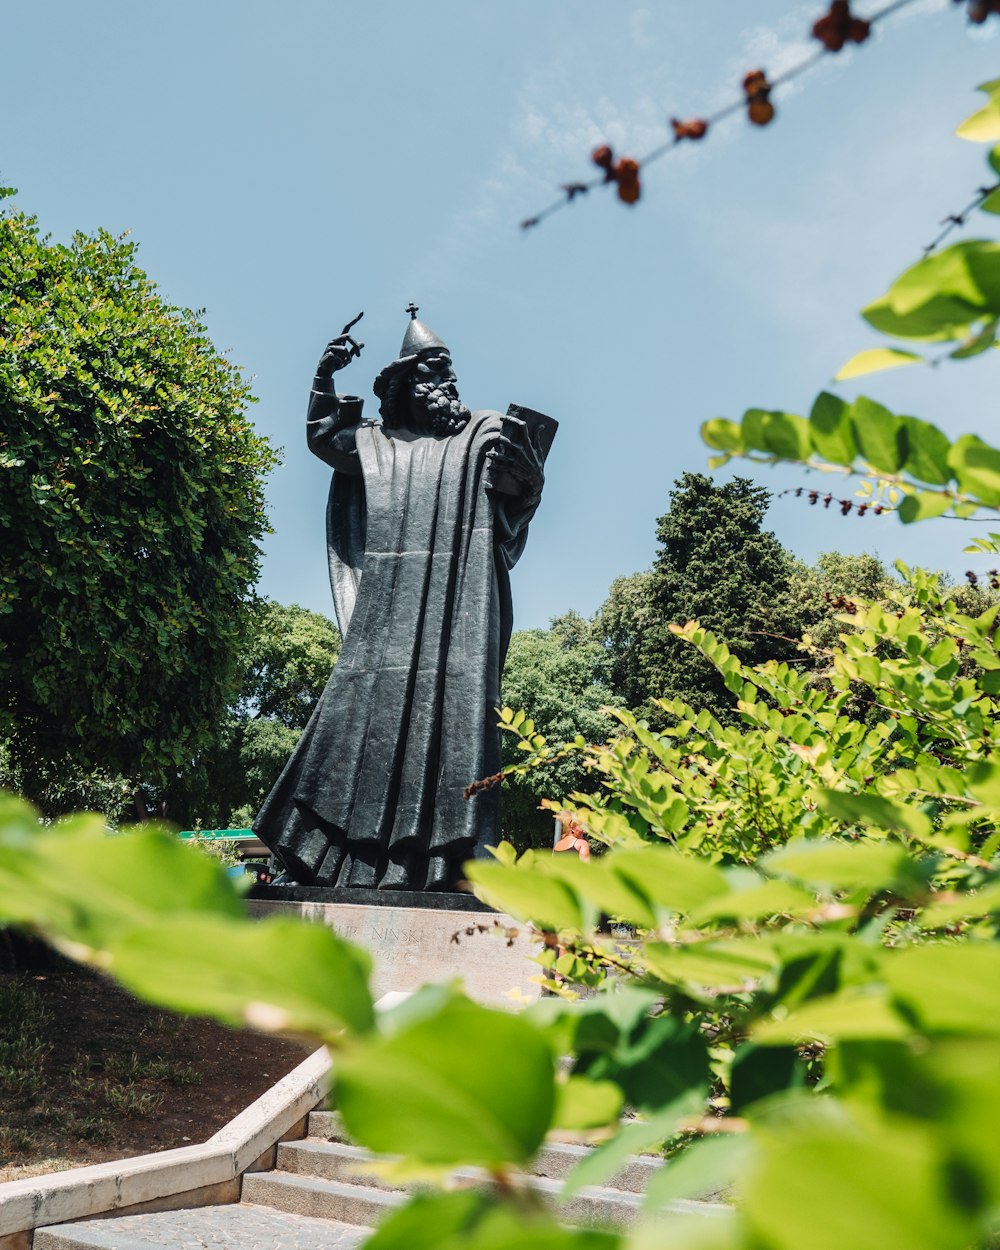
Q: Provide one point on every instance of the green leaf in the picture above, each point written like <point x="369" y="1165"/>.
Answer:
<point x="76" y="884"/>
<point x="770" y="898"/>
<point x="923" y="505"/>
<point x="671" y="880"/>
<point x="926" y="451"/>
<point x="983" y="781"/>
<point x="991" y="204"/>
<point x="827" y="862"/>
<point x="949" y="988"/>
<point x="964" y="273"/>
<point x="851" y="1014"/>
<point x="989" y="545"/>
<point x="984" y="902"/>
<point x="430" y="1221"/>
<point x="759" y="1072"/>
<point x="979" y="342"/>
<point x="782" y="434"/>
<point x="827" y="1185"/>
<point x="653" y="1059"/>
<point x="983" y="126"/>
<point x="942" y="296"/>
<point x="830" y="429"/>
<point x="705" y="1169"/>
<point x="878" y="434"/>
<point x="583" y="1104"/>
<point x="990" y="682"/>
<point x="729" y="965"/>
<point x="544" y="901"/>
<point x="633" y="1137"/>
<point x="977" y="468"/>
<point x="464" y="1085"/>
<point x="476" y="1219"/>
<point x="876" y="811"/>
<point x="874" y="359"/>
<point x="277" y="975"/>
<point x="599" y="883"/>
<point x="723" y="435"/>
<point x="938" y="320"/>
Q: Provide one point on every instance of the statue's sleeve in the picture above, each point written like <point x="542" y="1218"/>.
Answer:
<point x="510" y="527"/>
<point x="331" y="427"/>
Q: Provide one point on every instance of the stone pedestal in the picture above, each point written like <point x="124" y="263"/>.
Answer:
<point x="416" y="938"/>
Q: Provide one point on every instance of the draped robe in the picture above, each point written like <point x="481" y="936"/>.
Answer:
<point x="420" y="546"/>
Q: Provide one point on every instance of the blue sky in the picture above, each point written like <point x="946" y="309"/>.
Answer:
<point x="283" y="167"/>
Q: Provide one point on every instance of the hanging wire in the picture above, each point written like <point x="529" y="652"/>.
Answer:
<point x="833" y="29"/>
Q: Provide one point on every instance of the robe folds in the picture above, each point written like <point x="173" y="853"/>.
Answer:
<point x="420" y="545"/>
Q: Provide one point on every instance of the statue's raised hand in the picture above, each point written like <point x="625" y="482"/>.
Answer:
<point x="339" y="352"/>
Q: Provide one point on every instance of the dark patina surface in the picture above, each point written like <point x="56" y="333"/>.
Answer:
<point x="428" y="512"/>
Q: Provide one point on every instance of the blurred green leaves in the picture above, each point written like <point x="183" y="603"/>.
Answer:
<point x="461" y="1084"/>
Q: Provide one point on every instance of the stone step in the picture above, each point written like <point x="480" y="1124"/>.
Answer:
<point x="330" y="1160"/>
<point x="320" y="1198"/>
<point x="325" y="1124"/>
<point x="338" y="1160"/>
<point x="556" y="1159"/>
<point x="326" y="1195"/>
<point x="240" y="1227"/>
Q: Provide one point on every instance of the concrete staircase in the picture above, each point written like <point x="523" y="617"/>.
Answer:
<point x="319" y="1196"/>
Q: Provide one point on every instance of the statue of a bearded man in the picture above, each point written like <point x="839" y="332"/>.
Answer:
<point x="428" y="512"/>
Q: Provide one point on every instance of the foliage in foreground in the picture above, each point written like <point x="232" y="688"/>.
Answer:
<point x="809" y="1012"/>
<point x="132" y="507"/>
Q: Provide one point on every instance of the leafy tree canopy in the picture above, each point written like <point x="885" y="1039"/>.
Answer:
<point x="132" y="504"/>
<point x="560" y="674"/>
<point x="620" y="624"/>
<point x="286" y="663"/>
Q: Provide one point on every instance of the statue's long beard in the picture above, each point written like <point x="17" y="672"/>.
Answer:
<point x="437" y="409"/>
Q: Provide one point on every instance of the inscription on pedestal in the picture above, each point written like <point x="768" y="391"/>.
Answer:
<point x="412" y="946"/>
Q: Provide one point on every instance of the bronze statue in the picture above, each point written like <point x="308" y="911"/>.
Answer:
<point x="428" y="512"/>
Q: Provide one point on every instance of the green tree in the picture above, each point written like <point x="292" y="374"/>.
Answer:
<point x="285" y="666"/>
<point x="560" y="674"/>
<point x="132" y="507"/>
<point x="716" y="564"/>
<point x="288" y="662"/>
<point x="620" y="625"/>
<point x="816" y="592"/>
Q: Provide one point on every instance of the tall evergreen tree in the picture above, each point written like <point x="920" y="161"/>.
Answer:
<point x="716" y="564"/>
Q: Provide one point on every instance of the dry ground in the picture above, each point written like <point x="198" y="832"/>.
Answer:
<point x="88" y="1073"/>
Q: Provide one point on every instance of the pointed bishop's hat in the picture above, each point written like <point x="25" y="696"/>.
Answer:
<point x="418" y="338"/>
